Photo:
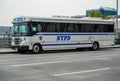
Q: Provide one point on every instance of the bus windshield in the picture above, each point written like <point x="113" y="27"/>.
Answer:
<point x="20" y="29"/>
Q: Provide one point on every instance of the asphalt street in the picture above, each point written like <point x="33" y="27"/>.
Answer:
<point x="63" y="65"/>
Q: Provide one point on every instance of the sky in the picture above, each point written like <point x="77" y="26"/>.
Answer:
<point x="10" y="9"/>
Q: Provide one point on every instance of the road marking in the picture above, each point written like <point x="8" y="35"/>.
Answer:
<point x="20" y="65"/>
<point x="81" y="72"/>
<point x="54" y="62"/>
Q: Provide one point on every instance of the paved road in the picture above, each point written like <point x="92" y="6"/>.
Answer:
<point x="65" y="65"/>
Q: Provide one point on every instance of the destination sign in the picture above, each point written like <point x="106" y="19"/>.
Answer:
<point x="19" y="19"/>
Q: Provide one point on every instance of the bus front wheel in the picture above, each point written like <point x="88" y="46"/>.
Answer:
<point x="36" y="49"/>
<point x="21" y="51"/>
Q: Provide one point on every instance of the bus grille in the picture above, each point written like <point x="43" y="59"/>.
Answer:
<point x="17" y="41"/>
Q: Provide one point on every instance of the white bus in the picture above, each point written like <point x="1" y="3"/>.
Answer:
<point x="37" y="34"/>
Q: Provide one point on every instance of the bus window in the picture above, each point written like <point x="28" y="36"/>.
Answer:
<point x="50" y="27"/>
<point x="57" y="27"/>
<point x="82" y="28"/>
<point x="71" y="28"/>
<point x="43" y="27"/>
<point x="34" y="28"/>
<point x="65" y="27"/>
<point x="62" y="27"/>
<point x="108" y="28"/>
<point x="97" y="28"/>
<point x="39" y="28"/>
<point x="76" y="28"/>
<point x="88" y="28"/>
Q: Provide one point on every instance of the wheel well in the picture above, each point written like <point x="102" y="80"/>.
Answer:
<point x="96" y="42"/>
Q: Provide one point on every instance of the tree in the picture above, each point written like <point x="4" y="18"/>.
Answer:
<point x="98" y="15"/>
<point x="107" y="17"/>
<point x="95" y="14"/>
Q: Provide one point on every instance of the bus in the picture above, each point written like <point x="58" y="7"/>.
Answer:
<point x="51" y="33"/>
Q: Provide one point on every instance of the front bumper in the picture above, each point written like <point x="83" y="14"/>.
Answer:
<point x="20" y="47"/>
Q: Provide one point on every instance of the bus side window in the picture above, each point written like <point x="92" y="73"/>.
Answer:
<point x="62" y="27"/>
<point x="57" y="27"/>
<point x="39" y="28"/>
<point x="50" y="27"/>
<point x="95" y="28"/>
<point x="65" y="28"/>
<point x="34" y="29"/>
<point x="71" y="28"/>
<point x="82" y="27"/>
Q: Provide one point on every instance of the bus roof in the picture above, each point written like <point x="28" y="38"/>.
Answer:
<point x="62" y="20"/>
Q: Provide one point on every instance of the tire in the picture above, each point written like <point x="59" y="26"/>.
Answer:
<point x="21" y="51"/>
<point x="36" y="49"/>
<point x="80" y="49"/>
<point x="95" y="46"/>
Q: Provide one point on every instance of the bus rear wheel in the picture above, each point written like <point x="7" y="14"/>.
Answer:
<point x="95" y="46"/>
<point x="36" y="49"/>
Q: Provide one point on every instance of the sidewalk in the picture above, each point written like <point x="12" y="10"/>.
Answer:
<point x="114" y="46"/>
<point x="7" y="50"/>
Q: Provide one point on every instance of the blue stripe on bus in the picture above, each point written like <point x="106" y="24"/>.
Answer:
<point x="73" y="34"/>
<point x="67" y="44"/>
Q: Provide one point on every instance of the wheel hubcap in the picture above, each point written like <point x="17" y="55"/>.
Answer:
<point x="36" y="48"/>
<point x="95" y="46"/>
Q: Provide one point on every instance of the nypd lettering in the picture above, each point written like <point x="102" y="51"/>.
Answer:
<point x="63" y="38"/>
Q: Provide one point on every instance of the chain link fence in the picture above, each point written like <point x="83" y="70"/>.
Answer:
<point x="5" y="36"/>
<point x="5" y="41"/>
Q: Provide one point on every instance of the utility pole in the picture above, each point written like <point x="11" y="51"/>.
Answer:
<point x="116" y="19"/>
